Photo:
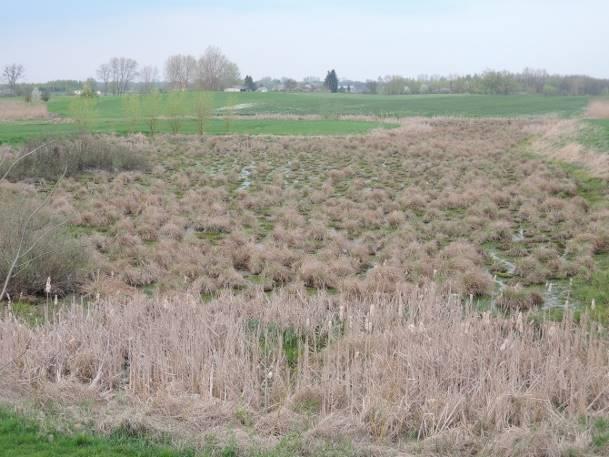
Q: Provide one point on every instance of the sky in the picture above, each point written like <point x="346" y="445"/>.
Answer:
<point x="62" y="39"/>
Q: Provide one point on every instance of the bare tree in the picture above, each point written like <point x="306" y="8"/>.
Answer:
<point x="148" y="77"/>
<point x="202" y="109"/>
<point x="180" y="71"/>
<point x="123" y="71"/>
<point x="215" y="71"/>
<point x="104" y="73"/>
<point x="12" y="74"/>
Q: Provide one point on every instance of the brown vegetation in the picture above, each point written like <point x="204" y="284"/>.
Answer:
<point x="390" y="368"/>
<point x="11" y="110"/>
<point x="327" y="287"/>
<point x="560" y="140"/>
<point x="598" y="109"/>
<point x="353" y="214"/>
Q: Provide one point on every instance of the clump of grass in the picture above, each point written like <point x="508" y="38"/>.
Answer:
<point x="518" y="299"/>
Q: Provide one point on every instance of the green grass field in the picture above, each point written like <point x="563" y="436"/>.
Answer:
<point x="116" y="114"/>
<point x="21" y="132"/>
<point x="325" y="104"/>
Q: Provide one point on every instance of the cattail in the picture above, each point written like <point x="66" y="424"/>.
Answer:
<point x="520" y="323"/>
<point x="593" y="304"/>
<point x="47" y="288"/>
<point x="505" y="344"/>
<point x="341" y="312"/>
<point x="55" y="300"/>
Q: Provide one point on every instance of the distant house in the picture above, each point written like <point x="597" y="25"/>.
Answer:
<point x="262" y="89"/>
<point x="36" y="95"/>
<point x="235" y="89"/>
<point x="78" y="92"/>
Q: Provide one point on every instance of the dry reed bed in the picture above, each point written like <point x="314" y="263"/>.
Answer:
<point x="20" y="111"/>
<point x="598" y="109"/>
<point x="409" y="205"/>
<point x="391" y="367"/>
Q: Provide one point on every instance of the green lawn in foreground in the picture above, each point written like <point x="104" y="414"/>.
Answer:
<point x="22" y="438"/>
<point x="327" y="104"/>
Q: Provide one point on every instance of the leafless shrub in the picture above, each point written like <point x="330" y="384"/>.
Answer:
<point x="42" y="247"/>
<point x="71" y="157"/>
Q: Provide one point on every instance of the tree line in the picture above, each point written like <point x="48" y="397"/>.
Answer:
<point x="492" y="82"/>
<point x="214" y="71"/>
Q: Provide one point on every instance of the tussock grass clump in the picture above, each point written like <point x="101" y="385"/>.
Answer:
<point x="71" y="157"/>
<point x="420" y="206"/>
<point x="518" y="299"/>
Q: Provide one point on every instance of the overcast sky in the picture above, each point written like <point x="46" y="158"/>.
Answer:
<point x="62" y="39"/>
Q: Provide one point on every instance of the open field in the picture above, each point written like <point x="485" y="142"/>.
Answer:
<point x="269" y="113"/>
<point x="326" y="104"/>
<point x="18" y="133"/>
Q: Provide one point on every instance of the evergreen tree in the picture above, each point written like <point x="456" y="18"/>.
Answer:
<point x="331" y="81"/>
<point x="249" y="83"/>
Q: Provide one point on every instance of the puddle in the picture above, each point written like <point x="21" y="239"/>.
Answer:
<point x="518" y="236"/>
<point x="556" y="293"/>
<point x="238" y="107"/>
<point x="245" y="176"/>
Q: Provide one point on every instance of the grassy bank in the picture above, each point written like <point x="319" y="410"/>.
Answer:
<point x="20" y="132"/>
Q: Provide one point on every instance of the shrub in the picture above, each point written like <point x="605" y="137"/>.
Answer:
<point x="75" y="156"/>
<point x="48" y="250"/>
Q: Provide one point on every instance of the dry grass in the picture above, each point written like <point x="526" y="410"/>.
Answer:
<point x="20" y="111"/>
<point x="389" y="368"/>
<point x="598" y="109"/>
<point x="326" y="287"/>
<point x="353" y="214"/>
<point x="561" y="140"/>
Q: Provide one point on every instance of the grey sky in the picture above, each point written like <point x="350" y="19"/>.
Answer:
<point x="360" y="39"/>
